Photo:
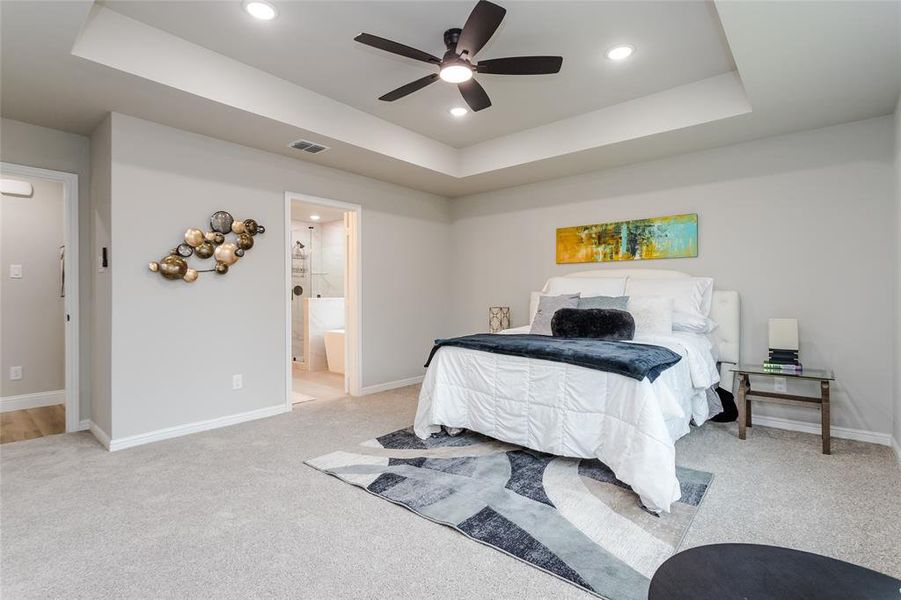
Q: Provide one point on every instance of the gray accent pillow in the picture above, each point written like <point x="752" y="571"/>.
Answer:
<point x="614" y="302"/>
<point x="547" y="306"/>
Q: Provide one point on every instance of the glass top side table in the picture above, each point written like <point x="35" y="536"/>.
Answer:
<point x="743" y="402"/>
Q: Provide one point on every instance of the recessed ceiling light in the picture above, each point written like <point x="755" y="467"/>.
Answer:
<point x="620" y="52"/>
<point x="314" y="217"/>
<point x="456" y="73"/>
<point x="458" y="111"/>
<point x="260" y="9"/>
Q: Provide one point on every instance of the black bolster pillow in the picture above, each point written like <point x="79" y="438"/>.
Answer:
<point x="601" y="323"/>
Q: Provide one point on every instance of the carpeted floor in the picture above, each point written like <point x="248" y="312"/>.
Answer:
<point x="234" y="513"/>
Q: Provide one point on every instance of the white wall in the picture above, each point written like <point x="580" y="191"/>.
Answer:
<point x="33" y="146"/>
<point x="32" y="309"/>
<point x="175" y="345"/>
<point x="797" y="224"/>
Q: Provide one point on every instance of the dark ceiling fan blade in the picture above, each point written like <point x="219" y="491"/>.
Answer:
<point x="521" y="65"/>
<point x="483" y="21"/>
<point x="409" y="88"/>
<point x="396" y="48"/>
<point x="474" y="94"/>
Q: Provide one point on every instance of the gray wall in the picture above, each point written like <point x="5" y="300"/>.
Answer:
<point x="33" y="146"/>
<point x="819" y="197"/>
<point x="175" y="346"/>
<point x="797" y="224"/>
<point x="32" y="310"/>
<point x="897" y="328"/>
<point x="101" y="279"/>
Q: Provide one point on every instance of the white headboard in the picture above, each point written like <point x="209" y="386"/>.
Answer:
<point x="725" y="310"/>
<point x="632" y="273"/>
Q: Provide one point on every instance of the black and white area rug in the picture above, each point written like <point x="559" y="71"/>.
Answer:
<point x="569" y="517"/>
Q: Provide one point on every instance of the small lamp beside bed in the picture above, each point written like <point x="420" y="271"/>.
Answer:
<point x="498" y="318"/>
<point x="784" y="347"/>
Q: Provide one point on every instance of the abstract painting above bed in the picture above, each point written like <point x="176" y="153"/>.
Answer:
<point x="641" y="239"/>
<point x="569" y="517"/>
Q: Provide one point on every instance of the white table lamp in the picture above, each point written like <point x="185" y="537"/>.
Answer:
<point x="784" y="334"/>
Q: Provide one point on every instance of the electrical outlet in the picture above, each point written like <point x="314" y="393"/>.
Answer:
<point x="15" y="373"/>
<point x="779" y="384"/>
<point x="15" y="271"/>
<point x="237" y="382"/>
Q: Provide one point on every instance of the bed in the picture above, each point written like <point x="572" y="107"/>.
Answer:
<point x="572" y="411"/>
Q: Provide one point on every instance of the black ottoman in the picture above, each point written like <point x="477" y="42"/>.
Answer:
<point x="752" y="572"/>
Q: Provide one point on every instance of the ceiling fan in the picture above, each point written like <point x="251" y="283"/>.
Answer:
<point x="456" y="65"/>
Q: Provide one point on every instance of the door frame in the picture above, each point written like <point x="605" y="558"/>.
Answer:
<point x="353" y="295"/>
<point x="70" y="264"/>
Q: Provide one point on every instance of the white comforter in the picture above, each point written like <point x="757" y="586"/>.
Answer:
<point x="566" y="410"/>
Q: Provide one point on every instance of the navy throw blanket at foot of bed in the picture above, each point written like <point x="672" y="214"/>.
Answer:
<point x="623" y="358"/>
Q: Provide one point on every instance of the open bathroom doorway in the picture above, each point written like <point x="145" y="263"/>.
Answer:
<point x="322" y="273"/>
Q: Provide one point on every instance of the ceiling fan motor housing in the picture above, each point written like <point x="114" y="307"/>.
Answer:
<point x="451" y="57"/>
<point x="450" y="38"/>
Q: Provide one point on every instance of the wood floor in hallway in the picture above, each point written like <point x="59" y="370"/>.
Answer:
<point x="316" y="385"/>
<point x="18" y="425"/>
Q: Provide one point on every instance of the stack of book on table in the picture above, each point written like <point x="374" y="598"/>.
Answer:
<point x="783" y="361"/>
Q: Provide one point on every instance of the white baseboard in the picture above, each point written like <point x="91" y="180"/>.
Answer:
<point x="873" y="437"/>
<point x="390" y="385"/>
<point x="23" y="401"/>
<point x="102" y="436"/>
<point x="180" y="430"/>
<point x="896" y="446"/>
<point x="84" y="425"/>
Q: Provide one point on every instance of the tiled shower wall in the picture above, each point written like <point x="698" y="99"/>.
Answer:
<point x="323" y="274"/>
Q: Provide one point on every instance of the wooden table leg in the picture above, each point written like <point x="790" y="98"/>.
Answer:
<point x="748" y="406"/>
<point x="824" y="409"/>
<point x="742" y="405"/>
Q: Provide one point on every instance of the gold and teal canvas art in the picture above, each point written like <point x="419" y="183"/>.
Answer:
<point x="641" y="239"/>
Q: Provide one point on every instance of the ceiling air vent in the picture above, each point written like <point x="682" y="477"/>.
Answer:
<point x="308" y="146"/>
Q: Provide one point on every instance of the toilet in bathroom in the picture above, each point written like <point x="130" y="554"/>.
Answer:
<point x="334" y="350"/>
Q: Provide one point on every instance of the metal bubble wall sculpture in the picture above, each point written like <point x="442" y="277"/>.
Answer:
<point x="209" y="244"/>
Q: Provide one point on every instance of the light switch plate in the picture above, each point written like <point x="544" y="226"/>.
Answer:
<point x="15" y="373"/>
<point x="237" y="382"/>
<point x="15" y="271"/>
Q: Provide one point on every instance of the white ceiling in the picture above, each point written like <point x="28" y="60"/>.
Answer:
<point x="311" y="44"/>
<point x="798" y="65"/>
<point x="301" y="211"/>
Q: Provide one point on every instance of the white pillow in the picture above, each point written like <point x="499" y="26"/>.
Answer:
<point x="653" y="315"/>
<point x="533" y="305"/>
<point x="587" y="286"/>
<point x="692" y="299"/>
<point x="692" y="323"/>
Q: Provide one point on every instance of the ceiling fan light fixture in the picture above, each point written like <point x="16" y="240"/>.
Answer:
<point x="457" y="66"/>
<point x="458" y="111"/>
<point x="620" y="52"/>
<point x="455" y="73"/>
<point x="260" y="9"/>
